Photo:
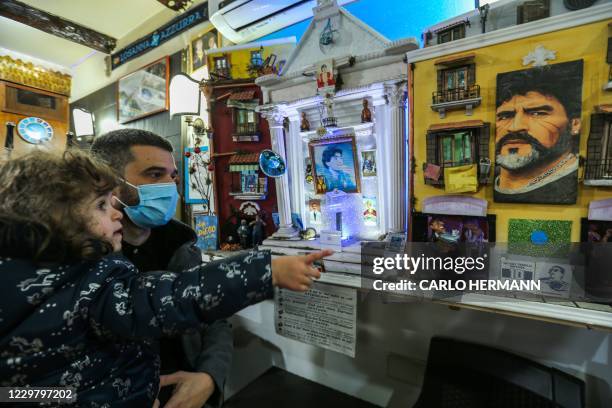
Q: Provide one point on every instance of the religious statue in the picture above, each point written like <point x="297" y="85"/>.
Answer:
<point x="366" y="114"/>
<point x="243" y="233"/>
<point x="304" y="124"/>
<point x="329" y="106"/>
<point x="258" y="230"/>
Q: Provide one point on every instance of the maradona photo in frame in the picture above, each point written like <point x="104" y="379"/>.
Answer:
<point x="335" y="165"/>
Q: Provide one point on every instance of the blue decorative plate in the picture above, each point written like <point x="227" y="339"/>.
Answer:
<point x="271" y="164"/>
<point x="34" y="130"/>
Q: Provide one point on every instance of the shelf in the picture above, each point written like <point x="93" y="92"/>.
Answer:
<point x="344" y="269"/>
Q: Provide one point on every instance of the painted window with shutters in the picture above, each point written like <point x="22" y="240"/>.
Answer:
<point x="222" y="67"/>
<point x="454" y="33"/>
<point x="599" y="150"/>
<point x="532" y="10"/>
<point x="456" y="83"/>
<point x="457" y="147"/>
<point x="245" y="121"/>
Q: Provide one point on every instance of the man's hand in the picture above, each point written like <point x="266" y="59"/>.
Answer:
<point x="297" y="272"/>
<point x="192" y="390"/>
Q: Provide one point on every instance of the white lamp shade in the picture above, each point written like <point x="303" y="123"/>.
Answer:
<point x="83" y="122"/>
<point x="184" y="96"/>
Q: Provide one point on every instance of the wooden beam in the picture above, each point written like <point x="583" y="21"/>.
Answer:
<point x="57" y="26"/>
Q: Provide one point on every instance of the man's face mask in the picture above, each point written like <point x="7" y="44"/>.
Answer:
<point x="156" y="206"/>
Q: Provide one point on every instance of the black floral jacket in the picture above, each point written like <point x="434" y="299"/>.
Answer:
<point x="94" y="325"/>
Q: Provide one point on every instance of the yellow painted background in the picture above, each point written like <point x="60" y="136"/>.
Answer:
<point x="239" y="60"/>
<point x="588" y="42"/>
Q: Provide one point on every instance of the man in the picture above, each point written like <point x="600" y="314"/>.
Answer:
<point x="538" y="127"/>
<point x="197" y="364"/>
<point x="555" y="280"/>
<point x="334" y="171"/>
<point x="199" y="58"/>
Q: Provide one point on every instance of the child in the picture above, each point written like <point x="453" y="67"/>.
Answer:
<point x="75" y="314"/>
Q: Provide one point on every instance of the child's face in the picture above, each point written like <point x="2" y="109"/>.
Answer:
<point x="104" y="219"/>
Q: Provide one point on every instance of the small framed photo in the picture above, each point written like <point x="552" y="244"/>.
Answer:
<point x="144" y="92"/>
<point x="335" y="165"/>
<point x="205" y="41"/>
<point x="368" y="163"/>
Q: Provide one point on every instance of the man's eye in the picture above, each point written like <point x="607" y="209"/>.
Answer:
<point x="101" y="205"/>
<point x="539" y="113"/>
<point x="505" y="115"/>
<point x="156" y="174"/>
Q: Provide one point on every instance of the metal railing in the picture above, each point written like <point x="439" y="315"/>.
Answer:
<point x="244" y="129"/>
<point x="598" y="169"/>
<point x="456" y="94"/>
<point x="222" y="73"/>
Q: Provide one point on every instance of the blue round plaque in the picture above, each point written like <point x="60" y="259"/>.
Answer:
<point x="34" y="130"/>
<point x="539" y="237"/>
<point x="271" y="164"/>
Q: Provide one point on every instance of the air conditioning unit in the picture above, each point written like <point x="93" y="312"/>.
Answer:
<point x="247" y="20"/>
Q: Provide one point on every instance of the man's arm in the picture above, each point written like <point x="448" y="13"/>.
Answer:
<point x="211" y="352"/>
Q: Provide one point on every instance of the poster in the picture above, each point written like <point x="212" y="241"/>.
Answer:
<point x="538" y="134"/>
<point x="335" y="165"/>
<point x="545" y="238"/>
<point x="517" y="270"/>
<point x="555" y="278"/>
<point x="325" y="316"/>
<point x="369" y="212"/>
<point x="206" y="230"/>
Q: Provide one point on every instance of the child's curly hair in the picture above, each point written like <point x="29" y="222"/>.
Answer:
<point x="41" y="199"/>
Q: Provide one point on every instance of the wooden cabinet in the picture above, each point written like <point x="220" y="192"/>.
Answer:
<point x="19" y="101"/>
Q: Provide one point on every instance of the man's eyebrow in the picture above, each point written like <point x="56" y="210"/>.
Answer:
<point x="154" y="168"/>
<point x="546" y="108"/>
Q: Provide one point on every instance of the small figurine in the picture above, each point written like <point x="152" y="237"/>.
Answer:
<point x="304" y="124"/>
<point x="243" y="233"/>
<point x="258" y="230"/>
<point x="329" y="105"/>
<point x="366" y="114"/>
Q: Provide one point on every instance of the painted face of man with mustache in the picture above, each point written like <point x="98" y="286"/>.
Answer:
<point x="532" y="130"/>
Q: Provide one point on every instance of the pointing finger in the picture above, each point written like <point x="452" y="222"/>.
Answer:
<point x="315" y="256"/>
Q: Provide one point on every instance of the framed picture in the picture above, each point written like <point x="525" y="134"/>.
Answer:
<point x="197" y="191"/>
<point x="326" y="82"/>
<point x="199" y="45"/>
<point x="368" y="163"/>
<point x="335" y="165"/>
<point x="144" y="92"/>
<point x="538" y="163"/>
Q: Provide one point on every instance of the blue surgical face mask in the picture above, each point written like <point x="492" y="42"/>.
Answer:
<point x="156" y="207"/>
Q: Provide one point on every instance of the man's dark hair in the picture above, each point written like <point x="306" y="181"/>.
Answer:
<point x="328" y="153"/>
<point x="114" y="147"/>
<point x="561" y="81"/>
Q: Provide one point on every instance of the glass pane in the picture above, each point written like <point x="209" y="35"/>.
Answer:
<point x="450" y="80"/>
<point x="461" y="78"/>
<point x="447" y="149"/>
<point x="251" y="116"/>
<point x="467" y="147"/>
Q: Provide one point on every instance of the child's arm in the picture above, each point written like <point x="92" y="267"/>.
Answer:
<point x="165" y="303"/>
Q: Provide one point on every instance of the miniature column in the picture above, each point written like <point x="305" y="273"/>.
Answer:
<point x="275" y="117"/>
<point x="397" y="155"/>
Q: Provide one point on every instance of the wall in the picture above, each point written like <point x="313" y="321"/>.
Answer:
<point x="507" y="57"/>
<point x="103" y="104"/>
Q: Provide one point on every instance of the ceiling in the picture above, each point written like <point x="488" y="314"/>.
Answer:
<point x="116" y="18"/>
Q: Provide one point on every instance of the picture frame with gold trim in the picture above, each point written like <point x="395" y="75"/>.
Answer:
<point x="204" y="41"/>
